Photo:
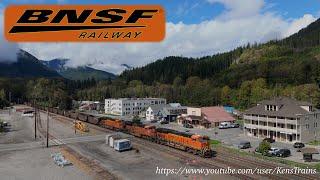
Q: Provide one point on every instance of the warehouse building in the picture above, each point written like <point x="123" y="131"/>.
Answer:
<point x="130" y="106"/>
<point x="283" y="119"/>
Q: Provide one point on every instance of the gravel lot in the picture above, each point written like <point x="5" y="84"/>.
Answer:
<point x="20" y="131"/>
<point x="36" y="164"/>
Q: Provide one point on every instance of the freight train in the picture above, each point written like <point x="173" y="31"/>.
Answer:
<point x="192" y="143"/>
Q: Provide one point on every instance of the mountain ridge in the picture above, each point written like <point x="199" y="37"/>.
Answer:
<point x="77" y="73"/>
<point x="27" y="66"/>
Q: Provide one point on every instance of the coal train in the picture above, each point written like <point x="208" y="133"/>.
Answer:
<point x="192" y="143"/>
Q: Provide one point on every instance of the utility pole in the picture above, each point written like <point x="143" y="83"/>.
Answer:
<point x="9" y="103"/>
<point x="48" y="127"/>
<point x="75" y="128"/>
<point x="35" y="121"/>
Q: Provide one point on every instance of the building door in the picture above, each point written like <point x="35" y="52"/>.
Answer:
<point x="271" y="134"/>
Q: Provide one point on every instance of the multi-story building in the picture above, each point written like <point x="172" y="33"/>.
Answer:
<point x="283" y="119"/>
<point x="130" y="106"/>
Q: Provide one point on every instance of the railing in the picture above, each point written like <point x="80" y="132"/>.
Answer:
<point x="253" y="126"/>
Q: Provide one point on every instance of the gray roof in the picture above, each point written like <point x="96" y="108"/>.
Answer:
<point x="285" y="100"/>
<point x="309" y="151"/>
<point x="287" y="107"/>
<point x="158" y="107"/>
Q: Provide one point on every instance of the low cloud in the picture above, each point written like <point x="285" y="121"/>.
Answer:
<point x="242" y="22"/>
<point x="300" y="23"/>
<point x="8" y="51"/>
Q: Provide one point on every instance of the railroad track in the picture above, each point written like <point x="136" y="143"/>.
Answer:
<point x="263" y="164"/>
<point x="225" y="158"/>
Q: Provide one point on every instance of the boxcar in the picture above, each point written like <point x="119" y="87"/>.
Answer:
<point x="113" y="124"/>
<point x="83" y="117"/>
<point x="55" y="110"/>
<point x="93" y="119"/>
<point x="74" y="115"/>
<point x="61" y="112"/>
<point x="67" y="114"/>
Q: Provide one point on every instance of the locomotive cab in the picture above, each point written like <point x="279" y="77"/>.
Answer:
<point x="205" y="145"/>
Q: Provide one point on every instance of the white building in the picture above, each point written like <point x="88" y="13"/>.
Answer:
<point x="154" y="111"/>
<point x="168" y="112"/>
<point x="283" y="119"/>
<point x="130" y="106"/>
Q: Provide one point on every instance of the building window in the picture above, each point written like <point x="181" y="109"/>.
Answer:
<point x="307" y="126"/>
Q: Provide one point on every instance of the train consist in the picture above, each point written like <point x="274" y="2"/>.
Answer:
<point x="192" y="143"/>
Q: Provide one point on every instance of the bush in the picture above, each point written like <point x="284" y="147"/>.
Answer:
<point x="136" y="120"/>
<point x="264" y="147"/>
<point x="214" y="142"/>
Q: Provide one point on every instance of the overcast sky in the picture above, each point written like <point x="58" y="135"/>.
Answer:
<point x="194" y="28"/>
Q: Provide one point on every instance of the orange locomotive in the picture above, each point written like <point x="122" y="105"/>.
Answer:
<point x="192" y="143"/>
<point x="146" y="132"/>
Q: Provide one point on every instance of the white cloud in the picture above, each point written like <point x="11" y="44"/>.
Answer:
<point x="240" y="8"/>
<point x="8" y="51"/>
<point x="241" y="23"/>
<point x="300" y="23"/>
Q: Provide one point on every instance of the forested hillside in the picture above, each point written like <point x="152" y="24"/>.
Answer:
<point x="242" y="77"/>
<point x="166" y="70"/>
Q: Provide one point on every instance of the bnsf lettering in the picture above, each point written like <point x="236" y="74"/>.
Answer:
<point x="104" y="16"/>
<point x="85" y="23"/>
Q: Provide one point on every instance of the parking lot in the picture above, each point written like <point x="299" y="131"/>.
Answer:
<point x="232" y="137"/>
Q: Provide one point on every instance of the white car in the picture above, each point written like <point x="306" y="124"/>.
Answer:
<point x="224" y="125"/>
<point x="272" y="151"/>
<point x="28" y="113"/>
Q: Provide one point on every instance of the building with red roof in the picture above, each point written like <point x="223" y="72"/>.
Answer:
<point x="206" y="116"/>
<point x="216" y="115"/>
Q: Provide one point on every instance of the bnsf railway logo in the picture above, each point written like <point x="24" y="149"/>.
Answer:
<point x="114" y="23"/>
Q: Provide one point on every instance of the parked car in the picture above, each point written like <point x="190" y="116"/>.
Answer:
<point x="187" y="125"/>
<point x="224" y="125"/>
<point x="244" y="145"/>
<point x="164" y="122"/>
<point x="235" y="125"/>
<point x="273" y="151"/>
<point x="298" y="145"/>
<point x="4" y="124"/>
<point x="28" y="113"/>
<point x="153" y="121"/>
<point x="269" y="140"/>
<point x="283" y="153"/>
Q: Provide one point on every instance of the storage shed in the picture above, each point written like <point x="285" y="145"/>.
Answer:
<point x="308" y="152"/>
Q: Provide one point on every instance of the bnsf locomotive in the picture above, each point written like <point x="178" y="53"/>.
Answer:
<point x="192" y="143"/>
